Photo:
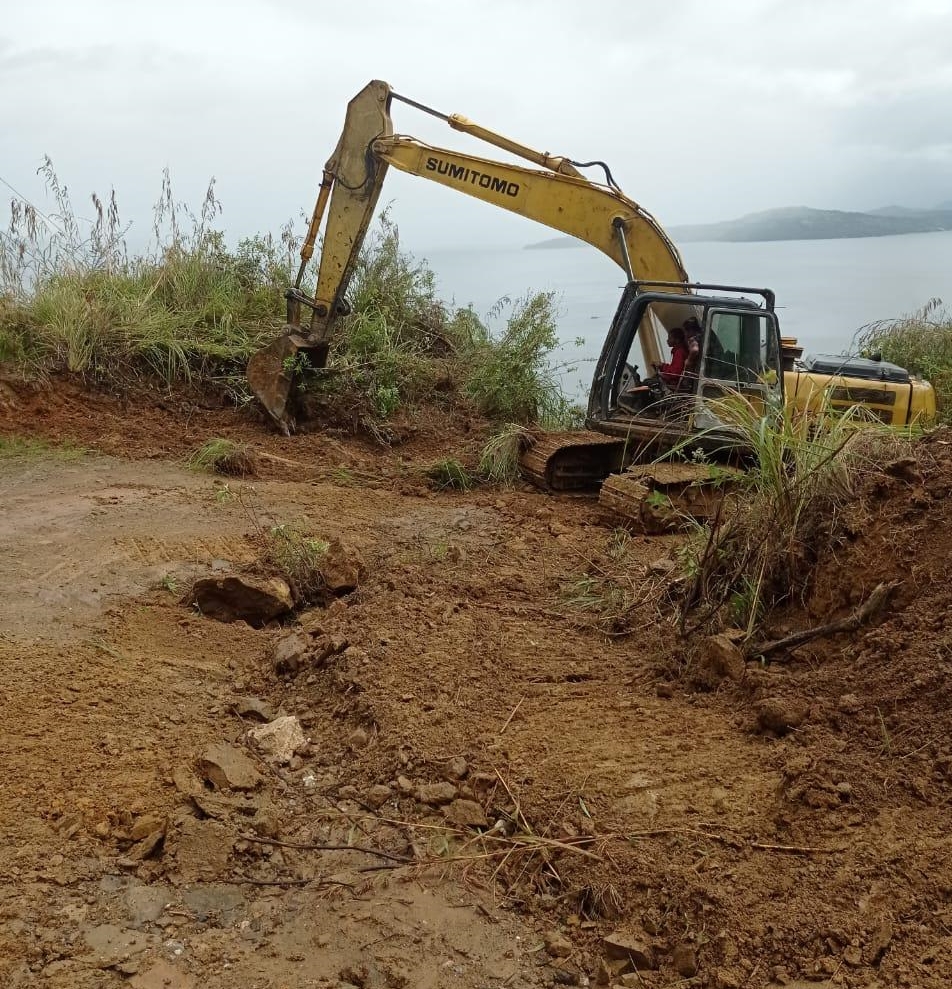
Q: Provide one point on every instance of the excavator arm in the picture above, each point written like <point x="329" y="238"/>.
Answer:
<point x="556" y="195"/>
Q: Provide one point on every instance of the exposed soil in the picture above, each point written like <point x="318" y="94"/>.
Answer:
<point x="462" y="686"/>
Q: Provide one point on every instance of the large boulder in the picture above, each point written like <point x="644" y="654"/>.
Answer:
<point x="234" y="597"/>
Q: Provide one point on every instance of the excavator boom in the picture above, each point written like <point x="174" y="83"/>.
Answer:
<point x="555" y="194"/>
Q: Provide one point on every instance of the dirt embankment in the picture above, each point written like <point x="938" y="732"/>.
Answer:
<point x="643" y="833"/>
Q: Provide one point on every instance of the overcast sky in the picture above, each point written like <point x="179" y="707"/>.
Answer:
<point x="704" y="110"/>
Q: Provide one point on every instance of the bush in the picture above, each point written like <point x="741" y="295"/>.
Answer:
<point x="922" y="343"/>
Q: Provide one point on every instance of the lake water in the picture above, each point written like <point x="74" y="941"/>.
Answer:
<point x="826" y="289"/>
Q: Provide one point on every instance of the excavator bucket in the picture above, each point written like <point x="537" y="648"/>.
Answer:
<point x="272" y="372"/>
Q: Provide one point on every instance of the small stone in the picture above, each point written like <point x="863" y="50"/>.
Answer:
<point x="358" y="739"/>
<point x="779" y="716"/>
<point x="404" y="786"/>
<point x="228" y="768"/>
<point x="849" y="704"/>
<point x="630" y="948"/>
<point x="456" y="768"/>
<point x="665" y="690"/>
<point x="557" y="945"/>
<point x="467" y="814"/>
<point x="685" y="960"/>
<point x="853" y="957"/>
<point x="845" y="790"/>
<point x="720" y="657"/>
<point x="377" y="796"/>
<point x="436" y="794"/>
<point x="341" y="568"/>
<point x="289" y="654"/>
<point x="279" y="739"/>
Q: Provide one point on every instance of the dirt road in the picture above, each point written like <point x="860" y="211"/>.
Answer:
<point x="467" y="677"/>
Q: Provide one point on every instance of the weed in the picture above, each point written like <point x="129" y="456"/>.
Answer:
<point x="499" y="461"/>
<point x="169" y="583"/>
<point x="298" y="556"/>
<point x="225" y="457"/>
<point x="450" y="473"/>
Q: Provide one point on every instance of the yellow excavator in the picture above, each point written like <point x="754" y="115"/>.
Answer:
<point x="739" y="349"/>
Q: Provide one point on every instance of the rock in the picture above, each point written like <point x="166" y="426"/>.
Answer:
<point x="147" y="846"/>
<point x="109" y="945"/>
<point x="630" y="948"/>
<point x="455" y="768"/>
<point x="720" y="657"/>
<point x="278" y="740"/>
<point x="466" y="814"/>
<point x="228" y="768"/>
<point x="146" y="825"/>
<point x="779" y="716"/>
<point x="849" y="704"/>
<point x="436" y="794"/>
<point x="377" y="796"/>
<point x="665" y="690"/>
<point x="341" y="568"/>
<point x="557" y="945"/>
<point x="404" y="786"/>
<point x="684" y="958"/>
<point x="253" y="707"/>
<point x="256" y="600"/>
<point x="290" y="653"/>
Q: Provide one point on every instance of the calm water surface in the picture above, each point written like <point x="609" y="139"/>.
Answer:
<point x="826" y="289"/>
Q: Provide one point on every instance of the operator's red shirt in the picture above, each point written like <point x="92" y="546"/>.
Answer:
<point x="672" y="371"/>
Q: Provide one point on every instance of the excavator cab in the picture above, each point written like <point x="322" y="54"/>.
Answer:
<point x="736" y="362"/>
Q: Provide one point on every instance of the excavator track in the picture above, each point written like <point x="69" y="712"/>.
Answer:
<point x="572" y="461"/>
<point x="665" y="497"/>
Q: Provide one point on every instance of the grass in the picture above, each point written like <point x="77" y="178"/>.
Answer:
<point x="296" y="554"/>
<point x="191" y="309"/>
<point x="449" y="473"/>
<point x="921" y="343"/>
<point x="787" y="509"/>
<point x="499" y="461"/>
<point x="23" y="447"/>
<point x="223" y="456"/>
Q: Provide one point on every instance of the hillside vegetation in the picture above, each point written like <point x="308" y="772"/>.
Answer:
<point x="191" y="308"/>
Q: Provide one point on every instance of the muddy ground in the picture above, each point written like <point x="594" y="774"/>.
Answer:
<point x="646" y="829"/>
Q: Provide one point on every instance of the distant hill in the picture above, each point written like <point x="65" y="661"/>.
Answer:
<point x="802" y="223"/>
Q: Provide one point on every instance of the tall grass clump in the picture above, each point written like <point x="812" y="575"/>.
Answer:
<point x="782" y="513"/>
<point x="75" y="299"/>
<point x="921" y="343"/>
